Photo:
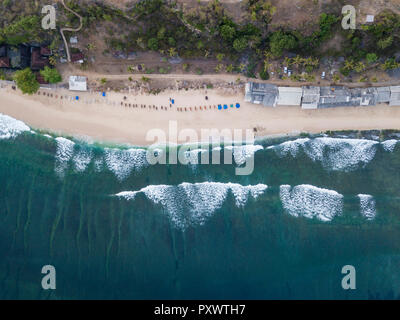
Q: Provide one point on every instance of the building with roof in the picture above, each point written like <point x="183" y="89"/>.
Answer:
<point x="5" y="62"/>
<point x="38" y="61"/>
<point x="77" y="83"/>
<point x="394" y="96"/>
<point x="77" y="57"/>
<point x="337" y="96"/>
<point x="289" y="96"/>
<point x="20" y="57"/>
<point x="261" y="93"/>
<point x="363" y="96"/>
<point x="311" y="97"/>
<point x="73" y="40"/>
<point x="382" y="94"/>
<point x="3" y="51"/>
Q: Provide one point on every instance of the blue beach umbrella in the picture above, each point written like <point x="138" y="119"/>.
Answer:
<point x="225" y="106"/>
<point x="219" y="107"/>
<point x="77" y="98"/>
<point x="103" y="94"/>
<point x="237" y="105"/>
<point x="173" y="101"/>
<point x="231" y="105"/>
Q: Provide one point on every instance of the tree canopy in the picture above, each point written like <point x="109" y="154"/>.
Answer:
<point x="26" y="81"/>
<point x="51" y="75"/>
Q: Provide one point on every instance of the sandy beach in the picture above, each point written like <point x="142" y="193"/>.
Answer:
<point x="105" y="119"/>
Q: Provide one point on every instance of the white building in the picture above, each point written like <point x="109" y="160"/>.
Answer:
<point x="77" y="83"/>
<point x="290" y="96"/>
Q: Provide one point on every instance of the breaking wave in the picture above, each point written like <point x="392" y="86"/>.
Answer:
<point x="333" y="153"/>
<point x="367" y="206"/>
<point x="389" y="145"/>
<point x="242" y="153"/>
<point x="311" y="202"/>
<point x="10" y="127"/>
<point x="193" y="203"/>
<point x="65" y="150"/>
<point x="123" y="162"/>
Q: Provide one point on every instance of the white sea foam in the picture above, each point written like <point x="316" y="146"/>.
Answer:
<point x="333" y="153"/>
<point x="367" y="206"/>
<point x="82" y="159"/>
<point x="65" y="150"/>
<point x="10" y="127"/>
<point x="309" y="201"/>
<point x="193" y="203"/>
<point x="192" y="156"/>
<point x="242" y="153"/>
<point x="122" y="162"/>
<point x="389" y="145"/>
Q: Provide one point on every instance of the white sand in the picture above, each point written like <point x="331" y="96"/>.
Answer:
<point x="115" y="123"/>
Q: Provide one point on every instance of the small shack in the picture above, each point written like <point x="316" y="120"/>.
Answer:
<point x="261" y="93"/>
<point x="77" y="83"/>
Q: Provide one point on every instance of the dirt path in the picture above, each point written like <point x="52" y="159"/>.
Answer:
<point x="70" y="30"/>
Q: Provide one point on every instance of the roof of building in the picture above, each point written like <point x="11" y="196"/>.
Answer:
<point x="75" y="57"/>
<point x="310" y="97"/>
<point x="337" y="96"/>
<point x="370" y="18"/>
<point x="394" y="96"/>
<point x="3" y="51"/>
<point x="19" y="57"/>
<point x="264" y="93"/>
<point x="77" y="83"/>
<point x="38" y="61"/>
<point x="4" y="62"/>
<point x="73" y="40"/>
<point x="383" y="94"/>
<point x="45" y="51"/>
<point x="290" y="96"/>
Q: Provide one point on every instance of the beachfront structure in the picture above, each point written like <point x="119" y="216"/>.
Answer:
<point x="261" y="93"/>
<point x="77" y="83"/>
<point x="382" y="95"/>
<point x="311" y="97"/>
<point x="289" y="96"/>
<point x="336" y="96"/>
<point x="394" y="96"/>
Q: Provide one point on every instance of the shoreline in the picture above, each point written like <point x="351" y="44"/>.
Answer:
<point x="104" y="120"/>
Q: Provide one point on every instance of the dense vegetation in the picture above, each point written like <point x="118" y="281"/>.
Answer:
<point x="26" y="81"/>
<point x="209" y="32"/>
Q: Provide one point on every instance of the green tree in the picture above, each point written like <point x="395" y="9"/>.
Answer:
<point x="220" y="57"/>
<point x="26" y="81"/>
<point x="371" y="58"/>
<point x="153" y="44"/>
<point x="280" y="41"/>
<point x="161" y="33"/>
<point x="240" y="44"/>
<point x="171" y="42"/>
<point x="227" y="32"/>
<point x="385" y="43"/>
<point x="264" y="74"/>
<point x="51" y="75"/>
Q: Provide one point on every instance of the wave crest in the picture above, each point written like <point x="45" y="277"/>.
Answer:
<point x="193" y="203"/>
<point x="311" y="202"/>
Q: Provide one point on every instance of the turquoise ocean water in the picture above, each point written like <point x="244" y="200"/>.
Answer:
<point x="115" y="227"/>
